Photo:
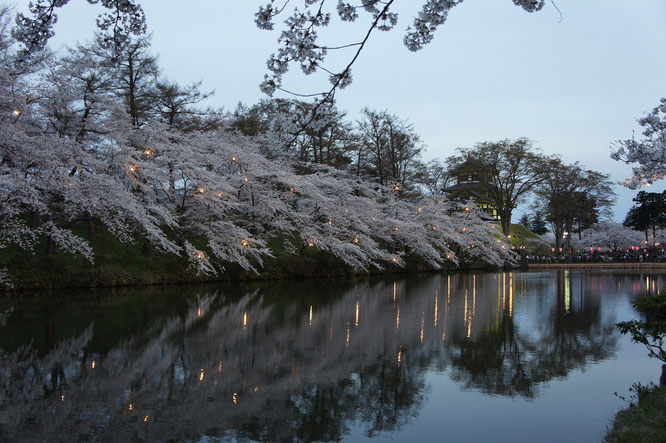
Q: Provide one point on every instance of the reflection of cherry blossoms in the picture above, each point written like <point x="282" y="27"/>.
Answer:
<point x="267" y="364"/>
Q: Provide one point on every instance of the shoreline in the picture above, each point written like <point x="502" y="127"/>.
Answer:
<point x="628" y="266"/>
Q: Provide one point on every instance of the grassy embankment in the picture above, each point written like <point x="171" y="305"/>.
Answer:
<point x="644" y="422"/>
<point x="118" y="264"/>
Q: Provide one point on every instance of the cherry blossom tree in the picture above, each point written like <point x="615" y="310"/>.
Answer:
<point x="610" y="235"/>
<point x="649" y="153"/>
<point x="299" y="41"/>
<point x="75" y="149"/>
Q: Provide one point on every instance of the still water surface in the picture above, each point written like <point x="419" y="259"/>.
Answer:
<point x="462" y="357"/>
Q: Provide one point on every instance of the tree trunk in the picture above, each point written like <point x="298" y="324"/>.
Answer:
<point x="50" y="246"/>
<point x="91" y="230"/>
<point x="505" y="219"/>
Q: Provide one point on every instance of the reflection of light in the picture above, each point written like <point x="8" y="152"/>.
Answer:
<point x="256" y="389"/>
<point x="436" y="302"/>
<point x="567" y="291"/>
<point x="131" y="406"/>
<point x="219" y="367"/>
<point x="399" y="357"/>
<point x="503" y="290"/>
<point x="244" y="320"/>
<point x="92" y="365"/>
<point x="62" y="397"/>
<point x="474" y="296"/>
<point x="348" y="335"/>
<point x="422" y="325"/>
<point x="201" y="375"/>
<point x="310" y="315"/>
<point x="510" y="294"/>
<point x="356" y="313"/>
<point x="448" y="287"/>
<point x="235" y="398"/>
<point x="394" y="291"/>
<point x="200" y="312"/>
<point x="145" y="419"/>
<point x="397" y="319"/>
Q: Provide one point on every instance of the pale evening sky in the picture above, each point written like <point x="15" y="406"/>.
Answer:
<point x="492" y="72"/>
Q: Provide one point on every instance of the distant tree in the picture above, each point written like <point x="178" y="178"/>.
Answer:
<point x="572" y="198"/>
<point x="433" y="176"/>
<point x="538" y="224"/>
<point x="649" y="213"/>
<point x="512" y="168"/>
<point x="649" y="153"/>
<point x="390" y="145"/>
<point x="174" y="105"/>
<point x="525" y="220"/>
<point x="133" y="72"/>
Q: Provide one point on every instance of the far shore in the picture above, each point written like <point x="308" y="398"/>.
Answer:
<point x="632" y="266"/>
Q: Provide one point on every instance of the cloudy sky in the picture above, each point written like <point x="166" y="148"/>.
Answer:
<point x="492" y="72"/>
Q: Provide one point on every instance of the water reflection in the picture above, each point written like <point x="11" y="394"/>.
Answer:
<point x="304" y="361"/>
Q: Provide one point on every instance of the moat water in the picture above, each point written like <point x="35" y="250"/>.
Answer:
<point x="522" y="356"/>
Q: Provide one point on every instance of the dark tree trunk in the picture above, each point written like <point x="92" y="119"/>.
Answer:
<point x="91" y="229"/>
<point x="50" y="246"/>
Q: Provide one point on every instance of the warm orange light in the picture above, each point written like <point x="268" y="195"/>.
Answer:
<point x="93" y="364"/>
<point x="201" y="375"/>
<point x="145" y="419"/>
<point x="356" y="240"/>
<point x="233" y="159"/>
<point x="245" y="178"/>
<point x="292" y="189"/>
<point x="245" y="243"/>
<point x="467" y="209"/>
<point x="148" y="152"/>
<point x="220" y="194"/>
<point x="17" y="112"/>
<point x="131" y="406"/>
<point x="62" y="397"/>
<point x="420" y="209"/>
<point x="235" y="398"/>
<point x="132" y="168"/>
<point x="310" y="244"/>
<point x="201" y="190"/>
